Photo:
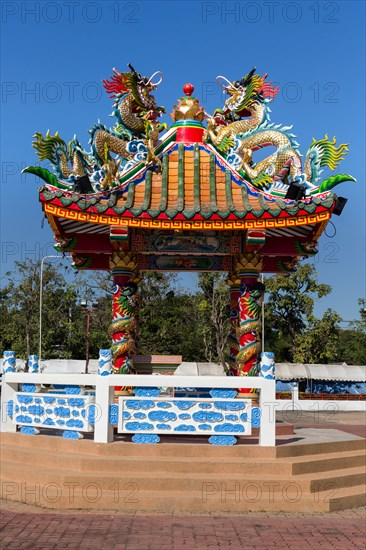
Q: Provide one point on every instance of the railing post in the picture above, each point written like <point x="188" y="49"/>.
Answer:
<point x="7" y="394"/>
<point x="33" y="364"/>
<point x="268" y="405"/>
<point x="104" y="395"/>
<point x="295" y="395"/>
<point x="9" y="361"/>
<point x="267" y="401"/>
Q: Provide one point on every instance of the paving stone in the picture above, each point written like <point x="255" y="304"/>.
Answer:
<point x="47" y="530"/>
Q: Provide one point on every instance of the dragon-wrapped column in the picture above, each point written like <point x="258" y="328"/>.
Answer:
<point x="124" y="310"/>
<point x="247" y="269"/>
<point x="234" y="286"/>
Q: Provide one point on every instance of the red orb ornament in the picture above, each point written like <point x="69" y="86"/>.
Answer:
<point x="188" y="89"/>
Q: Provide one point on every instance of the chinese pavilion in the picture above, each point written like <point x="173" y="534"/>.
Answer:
<point x="188" y="198"/>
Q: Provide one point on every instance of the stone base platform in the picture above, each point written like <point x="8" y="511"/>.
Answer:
<point x="308" y="471"/>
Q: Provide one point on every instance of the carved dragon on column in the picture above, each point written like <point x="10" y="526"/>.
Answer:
<point x="245" y="336"/>
<point x="122" y="329"/>
<point x="250" y="327"/>
<point x="124" y="311"/>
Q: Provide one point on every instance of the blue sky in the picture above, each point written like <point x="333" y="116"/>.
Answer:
<point x="55" y="54"/>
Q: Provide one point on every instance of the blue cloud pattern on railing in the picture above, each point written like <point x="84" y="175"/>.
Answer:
<point x="222" y="414"/>
<point x="36" y="410"/>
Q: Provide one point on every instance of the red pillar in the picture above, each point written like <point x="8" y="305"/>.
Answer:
<point x="123" y="326"/>
<point x="234" y="326"/>
<point x="250" y="325"/>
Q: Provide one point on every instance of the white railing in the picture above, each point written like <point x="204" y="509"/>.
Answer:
<point x="25" y="397"/>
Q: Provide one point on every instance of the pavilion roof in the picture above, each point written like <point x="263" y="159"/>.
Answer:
<point x="195" y="185"/>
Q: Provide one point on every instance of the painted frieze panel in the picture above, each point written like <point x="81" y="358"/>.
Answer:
<point x="62" y="412"/>
<point x="183" y="263"/>
<point x="178" y="244"/>
<point x="184" y="415"/>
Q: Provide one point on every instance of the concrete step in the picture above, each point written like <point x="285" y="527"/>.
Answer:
<point x="174" y="446"/>
<point x="114" y="464"/>
<point x="309" y="483"/>
<point x="39" y="458"/>
<point x="320" y="448"/>
<point x="334" y="479"/>
<point x="131" y="498"/>
<point x="351" y="497"/>
<point x="201" y="464"/>
<point x="328" y="482"/>
<point x="327" y="462"/>
<point x="184" y="477"/>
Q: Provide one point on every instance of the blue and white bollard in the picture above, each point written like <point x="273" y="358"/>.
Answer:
<point x="267" y="365"/>
<point x="33" y="365"/>
<point x="33" y="368"/>
<point x="105" y="362"/>
<point x="9" y="358"/>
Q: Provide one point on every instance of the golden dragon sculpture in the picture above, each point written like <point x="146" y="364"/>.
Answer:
<point x="243" y="127"/>
<point x="136" y="131"/>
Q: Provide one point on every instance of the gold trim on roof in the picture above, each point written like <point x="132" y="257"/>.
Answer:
<point x="86" y="217"/>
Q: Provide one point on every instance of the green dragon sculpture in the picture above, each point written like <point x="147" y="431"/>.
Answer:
<point x="54" y="149"/>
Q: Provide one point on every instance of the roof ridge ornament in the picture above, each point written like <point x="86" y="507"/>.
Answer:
<point x="188" y="107"/>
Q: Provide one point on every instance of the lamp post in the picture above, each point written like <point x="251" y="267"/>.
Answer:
<point x="262" y="281"/>
<point x="84" y="305"/>
<point x="40" y="304"/>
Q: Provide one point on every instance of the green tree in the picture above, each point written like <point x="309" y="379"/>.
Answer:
<point x="360" y="324"/>
<point x="20" y="299"/>
<point x="168" y="319"/>
<point x="214" y="316"/>
<point x="319" y="342"/>
<point x="100" y="319"/>
<point x="94" y="288"/>
<point x="289" y="308"/>
<point x="63" y="320"/>
<point x="195" y="326"/>
<point x="352" y="341"/>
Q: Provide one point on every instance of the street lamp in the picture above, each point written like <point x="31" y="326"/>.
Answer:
<point x="40" y="304"/>
<point x="262" y="312"/>
<point x="84" y="305"/>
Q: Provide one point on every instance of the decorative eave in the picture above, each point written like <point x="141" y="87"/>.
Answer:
<point x="196" y="189"/>
<point x="232" y="223"/>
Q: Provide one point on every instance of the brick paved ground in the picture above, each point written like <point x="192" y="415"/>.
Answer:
<point x="27" y="527"/>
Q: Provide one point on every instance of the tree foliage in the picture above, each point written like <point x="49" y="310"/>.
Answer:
<point x="352" y="341"/>
<point x="194" y="324"/>
<point x="214" y="316"/>
<point x="182" y="323"/>
<point x="289" y="308"/>
<point x="63" y="320"/>
<point x="167" y="319"/>
<point x="319" y="342"/>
